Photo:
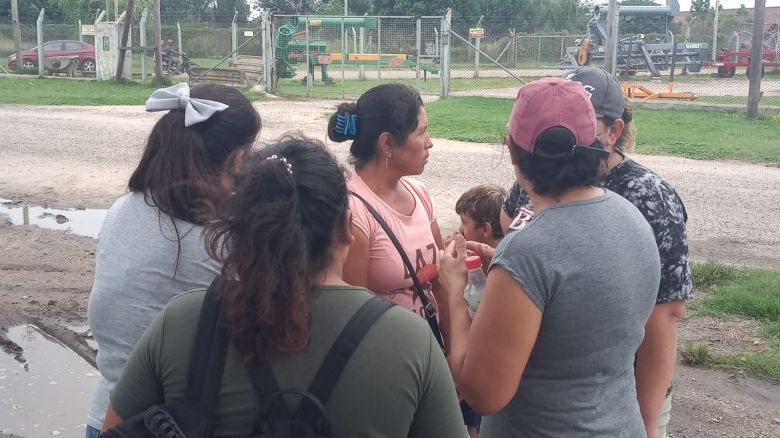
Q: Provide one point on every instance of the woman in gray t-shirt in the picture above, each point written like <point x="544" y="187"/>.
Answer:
<point x="150" y="245"/>
<point x="550" y="350"/>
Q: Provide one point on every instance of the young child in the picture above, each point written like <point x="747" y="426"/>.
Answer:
<point x="479" y="209"/>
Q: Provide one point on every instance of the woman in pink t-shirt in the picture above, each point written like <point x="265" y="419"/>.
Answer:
<point x="388" y="127"/>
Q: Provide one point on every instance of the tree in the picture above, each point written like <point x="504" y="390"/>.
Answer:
<point x="700" y="6"/>
<point x="29" y="10"/>
<point x="287" y="7"/>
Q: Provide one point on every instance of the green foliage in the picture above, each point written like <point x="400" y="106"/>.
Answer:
<point x="288" y="7"/>
<point x="29" y="9"/>
<point x="710" y="274"/>
<point x="697" y="355"/>
<point x="753" y="293"/>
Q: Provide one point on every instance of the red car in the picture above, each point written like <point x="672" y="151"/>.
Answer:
<point x="85" y="52"/>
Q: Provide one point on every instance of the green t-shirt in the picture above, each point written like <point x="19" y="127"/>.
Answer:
<point x="396" y="383"/>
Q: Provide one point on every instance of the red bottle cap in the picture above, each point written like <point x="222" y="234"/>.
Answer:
<point x="473" y="262"/>
<point x="427" y="273"/>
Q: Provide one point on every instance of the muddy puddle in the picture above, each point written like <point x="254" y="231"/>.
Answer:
<point x="84" y="222"/>
<point x="45" y="391"/>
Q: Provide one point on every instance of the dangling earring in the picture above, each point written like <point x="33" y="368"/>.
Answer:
<point x="387" y="159"/>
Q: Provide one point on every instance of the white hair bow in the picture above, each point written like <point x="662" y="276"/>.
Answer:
<point x="178" y="97"/>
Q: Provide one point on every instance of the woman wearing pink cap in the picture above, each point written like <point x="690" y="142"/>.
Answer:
<point x="550" y="351"/>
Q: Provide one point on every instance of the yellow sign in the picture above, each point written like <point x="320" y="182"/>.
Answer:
<point x="476" y="32"/>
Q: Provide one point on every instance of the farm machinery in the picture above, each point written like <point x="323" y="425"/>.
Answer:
<point x="737" y="52"/>
<point x="633" y="52"/>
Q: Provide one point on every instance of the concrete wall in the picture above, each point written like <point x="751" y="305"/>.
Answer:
<point x="107" y="38"/>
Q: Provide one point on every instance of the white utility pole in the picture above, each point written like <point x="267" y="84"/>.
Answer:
<point x="610" y="54"/>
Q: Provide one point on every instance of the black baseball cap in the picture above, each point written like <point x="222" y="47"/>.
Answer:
<point x="604" y="91"/>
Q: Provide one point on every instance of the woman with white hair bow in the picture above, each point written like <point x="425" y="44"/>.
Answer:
<point x="150" y="246"/>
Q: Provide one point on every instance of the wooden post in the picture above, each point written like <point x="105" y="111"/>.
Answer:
<point x="756" y="57"/>
<point x="120" y="66"/>
<point x="157" y="46"/>
<point x="17" y="35"/>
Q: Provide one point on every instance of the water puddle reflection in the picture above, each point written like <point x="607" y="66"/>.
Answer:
<point x="49" y="393"/>
<point x="84" y="222"/>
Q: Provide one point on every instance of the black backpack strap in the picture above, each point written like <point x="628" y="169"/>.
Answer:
<point x="428" y="307"/>
<point x="265" y="387"/>
<point x="339" y="354"/>
<point x="208" y="353"/>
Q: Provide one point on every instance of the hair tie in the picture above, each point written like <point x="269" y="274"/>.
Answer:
<point x="287" y="165"/>
<point x="346" y="124"/>
<point x="178" y="97"/>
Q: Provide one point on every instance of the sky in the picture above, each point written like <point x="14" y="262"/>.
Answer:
<point x="685" y="5"/>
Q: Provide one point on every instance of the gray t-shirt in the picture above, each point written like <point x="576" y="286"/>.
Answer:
<point x="592" y="268"/>
<point x="136" y="274"/>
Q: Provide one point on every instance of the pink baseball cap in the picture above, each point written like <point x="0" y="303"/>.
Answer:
<point x="553" y="103"/>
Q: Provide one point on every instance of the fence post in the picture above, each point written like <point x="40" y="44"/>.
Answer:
<point x="379" y="47"/>
<point x="362" y="74"/>
<point x="178" y="36"/>
<point x="419" y="48"/>
<point x="142" y="42"/>
<point x="309" y="67"/>
<point x="539" y="51"/>
<point x="477" y="49"/>
<point x="343" y="55"/>
<point x="444" y="75"/>
<point x="268" y="54"/>
<point x="39" y="29"/>
<point x="81" y="37"/>
<point x="563" y="38"/>
<point x="234" y="35"/>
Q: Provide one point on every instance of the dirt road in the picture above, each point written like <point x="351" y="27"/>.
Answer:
<point x="82" y="156"/>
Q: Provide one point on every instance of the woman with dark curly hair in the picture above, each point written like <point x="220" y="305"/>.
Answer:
<point x="283" y="238"/>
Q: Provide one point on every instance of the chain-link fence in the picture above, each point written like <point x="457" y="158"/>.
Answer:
<point x="336" y="56"/>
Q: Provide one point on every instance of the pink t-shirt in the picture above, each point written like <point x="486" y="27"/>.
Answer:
<point x="387" y="275"/>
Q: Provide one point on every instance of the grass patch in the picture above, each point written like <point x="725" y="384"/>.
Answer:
<point x="754" y="293"/>
<point x="739" y="100"/>
<point x="697" y="355"/>
<point x="62" y="91"/>
<point x="479" y="119"/>
<point x="707" y="135"/>
<point x="692" y="134"/>
<point x="709" y="274"/>
<point x="746" y="292"/>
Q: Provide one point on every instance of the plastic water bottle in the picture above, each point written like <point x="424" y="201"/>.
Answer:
<point x="475" y="287"/>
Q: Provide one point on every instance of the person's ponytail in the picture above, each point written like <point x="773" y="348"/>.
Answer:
<point x="274" y="237"/>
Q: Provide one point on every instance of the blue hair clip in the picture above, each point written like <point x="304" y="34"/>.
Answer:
<point x="346" y="124"/>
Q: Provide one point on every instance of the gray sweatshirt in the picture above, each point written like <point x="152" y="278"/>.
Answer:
<point x="135" y="276"/>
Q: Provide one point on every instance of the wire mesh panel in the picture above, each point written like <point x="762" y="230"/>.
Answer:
<point x="484" y="64"/>
<point x="330" y="56"/>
